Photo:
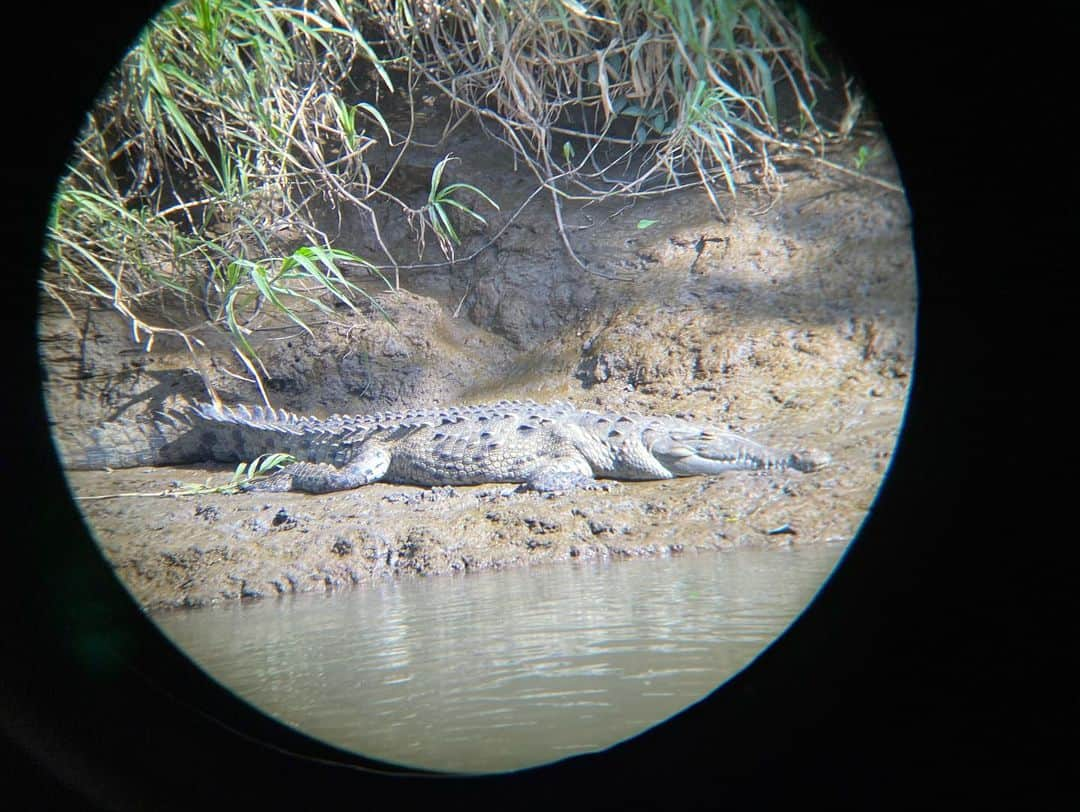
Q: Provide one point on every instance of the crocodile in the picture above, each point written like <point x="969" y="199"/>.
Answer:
<point x="543" y="447"/>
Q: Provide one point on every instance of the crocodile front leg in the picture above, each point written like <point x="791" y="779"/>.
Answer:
<point x="560" y="474"/>
<point x="309" y="477"/>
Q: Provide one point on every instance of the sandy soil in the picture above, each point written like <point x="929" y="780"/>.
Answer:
<point x="793" y="324"/>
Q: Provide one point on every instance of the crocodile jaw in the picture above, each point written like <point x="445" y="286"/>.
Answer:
<point x="707" y="452"/>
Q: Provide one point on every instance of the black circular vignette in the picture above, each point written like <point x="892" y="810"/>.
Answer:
<point x="904" y="680"/>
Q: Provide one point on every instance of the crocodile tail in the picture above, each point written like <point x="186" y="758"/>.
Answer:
<point x="128" y="443"/>
<point x="242" y="433"/>
<point x="256" y="417"/>
<point x="186" y="433"/>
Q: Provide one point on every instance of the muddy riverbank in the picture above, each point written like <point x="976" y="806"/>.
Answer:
<point x="792" y="322"/>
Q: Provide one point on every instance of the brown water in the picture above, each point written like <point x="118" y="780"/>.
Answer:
<point x="503" y="670"/>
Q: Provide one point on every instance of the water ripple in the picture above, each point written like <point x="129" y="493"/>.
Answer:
<point x="504" y="669"/>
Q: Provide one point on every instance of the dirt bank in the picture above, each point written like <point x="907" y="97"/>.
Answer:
<point x="793" y="324"/>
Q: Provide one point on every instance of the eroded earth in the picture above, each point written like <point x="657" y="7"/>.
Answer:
<point x="790" y="320"/>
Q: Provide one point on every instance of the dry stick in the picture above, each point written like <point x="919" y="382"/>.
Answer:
<point x="803" y="107"/>
<point x="562" y="226"/>
<point x="133" y="493"/>
<point x="335" y="182"/>
<point x="406" y="139"/>
<point x="807" y="154"/>
<point x="562" y="233"/>
<point x="510" y="220"/>
<point x="518" y="148"/>
<point x="194" y="490"/>
<point x="709" y="191"/>
<point x="704" y="182"/>
<point x="258" y="378"/>
<point x="548" y="181"/>
<point x="117" y="301"/>
<point x="892" y="187"/>
<point x="192" y="204"/>
<point x="768" y="171"/>
<point x="232" y="374"/>
<point x="54" y="291"/>
<point x="515" y="91"/>
<point x="478" y="251"/>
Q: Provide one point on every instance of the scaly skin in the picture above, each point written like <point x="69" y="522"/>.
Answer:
<point x="552" y="447"/>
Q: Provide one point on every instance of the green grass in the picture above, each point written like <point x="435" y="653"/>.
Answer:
<point x="191" y="185"/>
<point x="663" y="94"/>
<point x="689" y="87"/>
<point x="197" y="183"/>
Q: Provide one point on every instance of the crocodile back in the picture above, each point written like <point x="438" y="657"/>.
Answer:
<point x="243" y="433"/>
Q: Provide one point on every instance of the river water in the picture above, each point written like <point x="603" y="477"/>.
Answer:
<point x="501" y="670"/>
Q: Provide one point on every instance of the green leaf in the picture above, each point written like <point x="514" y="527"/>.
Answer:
<point x="234" y="326"/>
<point x="180" y="122"/>
<point x="643" y="224"/>
<point x="303" y="258"/>
<point x="337" y="253"/>
<point x="455" y="186"/>
<point x="767" y="84"/>
<point x="464" y="208"/>
<point x="375" y="114"/>
<point x="436" y="178"/>
<point x="258" y="276"/>
<point x="442" y="223"/>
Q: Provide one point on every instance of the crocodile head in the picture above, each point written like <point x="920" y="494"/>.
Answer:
<point x="693" y="451"/>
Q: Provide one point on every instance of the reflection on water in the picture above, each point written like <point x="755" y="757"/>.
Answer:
<point x="502" y="670"/>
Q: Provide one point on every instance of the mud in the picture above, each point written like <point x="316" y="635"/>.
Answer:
<point x="792" y="323"/>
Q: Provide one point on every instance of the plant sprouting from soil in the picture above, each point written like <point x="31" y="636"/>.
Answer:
<point x="439" y="198"/>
